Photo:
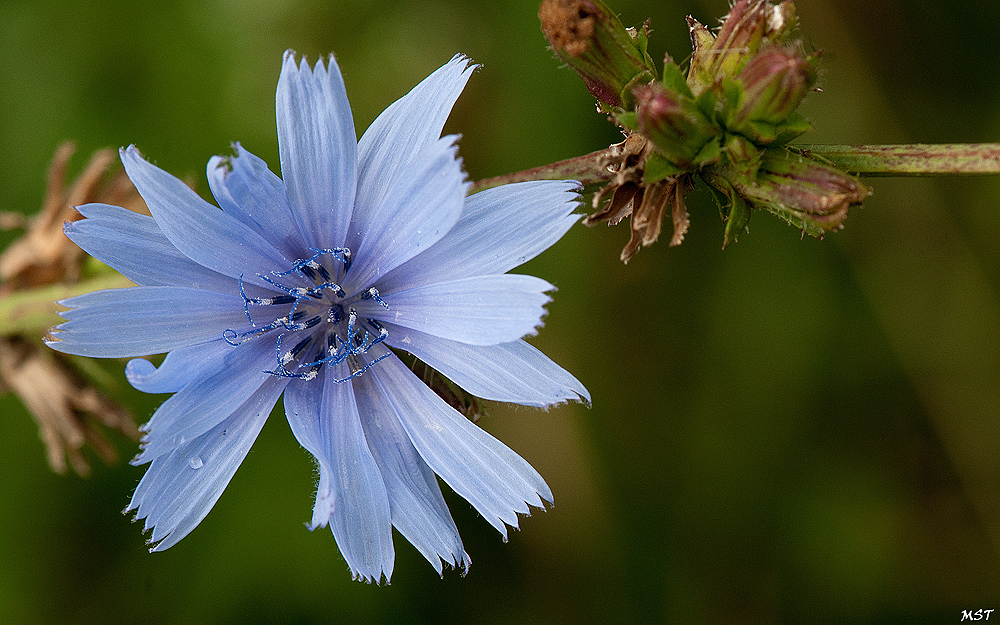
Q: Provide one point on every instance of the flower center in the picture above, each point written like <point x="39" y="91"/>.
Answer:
<point x="315" y="322"/>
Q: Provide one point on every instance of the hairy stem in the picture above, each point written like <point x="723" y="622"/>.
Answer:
<point x="588" y="169"/>
<point x="917" y="159"/>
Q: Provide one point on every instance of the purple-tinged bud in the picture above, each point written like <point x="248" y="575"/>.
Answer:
<point x="748" y="26"/>
<point x="774" y="84"/>
<point x="610" y="58"/>
<point x="804" y="192"/>
<point x="674" y="123"/>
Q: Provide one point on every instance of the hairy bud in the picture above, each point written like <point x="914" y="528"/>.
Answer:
<point x="804" y="192"/>
<point x="745" y="29"/>
<point x="674" y="123"/>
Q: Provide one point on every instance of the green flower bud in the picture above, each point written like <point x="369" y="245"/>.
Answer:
<point x="806" y="193"/>
<point x="774" y="84"/>
<point x="674" y="123"/>
<point x="592" y="40"/>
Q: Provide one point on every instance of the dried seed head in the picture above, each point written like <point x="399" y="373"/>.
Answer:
<point x="592" y="40"/>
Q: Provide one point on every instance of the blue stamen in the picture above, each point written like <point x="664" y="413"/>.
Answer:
<point x="312" y="322"/>
<point x="290" y="291"/>
<point x="342" y="254"/>
<point x="246" y="301"/>
<point x="372" y="293"/>
<point x="333" y="287"/>
<point x="363" y="369"/>
<point x="359" y="336"/>
<point x="227" y="333"/>
<point x="309" y="271"/>
<point x="323" y="272"/>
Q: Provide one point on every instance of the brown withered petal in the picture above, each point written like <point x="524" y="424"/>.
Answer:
<point x="44" y="255"/>
<point x="67" y="408"/>
<point x="627" y="161"/>
<point x="630" y="195"/>
<point x="679" y="213"/>
<point x="623" y="199"/>
<point x="647" y="220"/>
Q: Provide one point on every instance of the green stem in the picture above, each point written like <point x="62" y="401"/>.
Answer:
<point x="917" y="159"/>
<point x="33" y="311"/>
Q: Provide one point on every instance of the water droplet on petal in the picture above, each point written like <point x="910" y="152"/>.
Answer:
<point x="179" y="439"/>
<point x="195" y="463"/>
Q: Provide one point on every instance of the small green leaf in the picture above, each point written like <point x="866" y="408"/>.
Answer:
<point x="707" y="103"/>
<point x="737" y="222"/>
<point x="658" y="168"/>
<point x="673" y="79"/>
<point x="628" y="120"/>
<point x="795" y="126"/>
<point x="709" y="153"/>
<point x="734" y="209"/>
<point x="760" y="132"/>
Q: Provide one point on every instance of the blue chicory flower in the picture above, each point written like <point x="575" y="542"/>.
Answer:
<point x="301" y="285"/>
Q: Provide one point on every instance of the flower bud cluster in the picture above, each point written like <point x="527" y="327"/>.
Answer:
<point x="726" y="120"/>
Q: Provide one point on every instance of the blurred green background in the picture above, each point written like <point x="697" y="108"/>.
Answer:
<point x="789" y="431"/>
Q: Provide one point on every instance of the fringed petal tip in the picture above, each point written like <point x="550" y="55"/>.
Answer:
<point x="470" y="65"/>
<point x="314" y="525"/>
<point x="372" y="577"/>
<point x="151" y="542"/>
<point x="291" y="57"/>
<point x="130" y="153"/>
<point x="462" y="565"/>
<point x="504" y="521"/>
<point x="580" y="395"/>
<point x="52" y="339"/>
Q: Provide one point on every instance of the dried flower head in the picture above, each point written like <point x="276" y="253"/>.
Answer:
<point x="646" y="202"/>
<point x="609" y="58"/>
<point x="68" y="408"/>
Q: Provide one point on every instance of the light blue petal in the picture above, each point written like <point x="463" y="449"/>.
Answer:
<point x="500" y="229"/>
<point x="484" y="310"/>
<point x="134" y="246"/>
<point x="404" y="129"/>
<point x="246" y="189"/>
<point x="205" y="402"/>
<point x="416" y="506"/>
<point x="513" y="372"/>
<point x="351" y="496"/>
<point x="199" y="230"/>
<point x="419" y="209"/>
<point x="318" y="149"/>
<point x="143" y="320"/>
<point x="181" y="487"/>
<point x="495" y="480"/>
<point x="178" y="369"/>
